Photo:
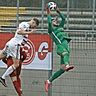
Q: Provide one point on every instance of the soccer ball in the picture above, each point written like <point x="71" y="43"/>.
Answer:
<point x="52" y="5"/>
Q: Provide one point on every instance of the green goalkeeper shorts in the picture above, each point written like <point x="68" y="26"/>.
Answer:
<point x="64" y="51"/>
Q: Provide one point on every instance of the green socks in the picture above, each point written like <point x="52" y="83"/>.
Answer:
<point x="56" y="75"/>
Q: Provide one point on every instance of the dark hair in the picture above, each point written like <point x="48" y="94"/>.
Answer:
<point x="36" y="20"/>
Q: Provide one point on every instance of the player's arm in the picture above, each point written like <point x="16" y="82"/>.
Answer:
<point x="49" y="19"/>
<point x="62" y="16"/>
<point x="21" y="31"/>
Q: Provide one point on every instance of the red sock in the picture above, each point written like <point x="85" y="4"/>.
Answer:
<point x="17" y="86"/>
<point x="19" y="83"/>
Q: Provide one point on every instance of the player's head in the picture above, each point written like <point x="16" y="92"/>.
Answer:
<point x="34" y="22"/>
<point x="55" y="21"/>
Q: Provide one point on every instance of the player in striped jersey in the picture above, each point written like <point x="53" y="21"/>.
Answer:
<point x="12" y="47"/>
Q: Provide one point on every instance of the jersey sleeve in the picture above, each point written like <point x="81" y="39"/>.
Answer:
<point x="23" y="26"/>
<point x="49" y="24"/>
<point x="63" y="19"/>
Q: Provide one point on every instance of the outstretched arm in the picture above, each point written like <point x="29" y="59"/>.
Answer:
<point x="21" y="31"/>
<point x="49" y="19"/>
<point x="61" y="15"/>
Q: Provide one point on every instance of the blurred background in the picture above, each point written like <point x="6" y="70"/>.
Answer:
<point x="80" y="26"/>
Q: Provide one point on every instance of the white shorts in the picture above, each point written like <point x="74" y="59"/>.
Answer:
<point x="12" y="49"/>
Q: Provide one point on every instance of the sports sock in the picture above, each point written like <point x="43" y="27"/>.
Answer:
<point x="8" y="71"/>
<point x="19" y="82"/>
<point x="56" y="75"/>
<point x="17" y="87"/>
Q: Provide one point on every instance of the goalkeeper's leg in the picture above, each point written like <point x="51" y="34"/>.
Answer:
<point x="64" y="67"/>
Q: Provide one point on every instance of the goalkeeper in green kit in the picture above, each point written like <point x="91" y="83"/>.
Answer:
<point x="57" y="34"/>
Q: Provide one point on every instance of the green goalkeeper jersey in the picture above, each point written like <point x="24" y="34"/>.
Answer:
<point x="57" y="32"/>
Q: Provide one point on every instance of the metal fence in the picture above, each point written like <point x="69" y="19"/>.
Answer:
<point x="80" y="25"/>
<point x="81" y="81"/>
<point x="80" y="14"/>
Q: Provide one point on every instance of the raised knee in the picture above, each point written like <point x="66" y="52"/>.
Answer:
<point x="16" y="65"/>
<point x="63" y="67"/>
<point x="67" y="67"/>
<point x="64" y="53"/>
